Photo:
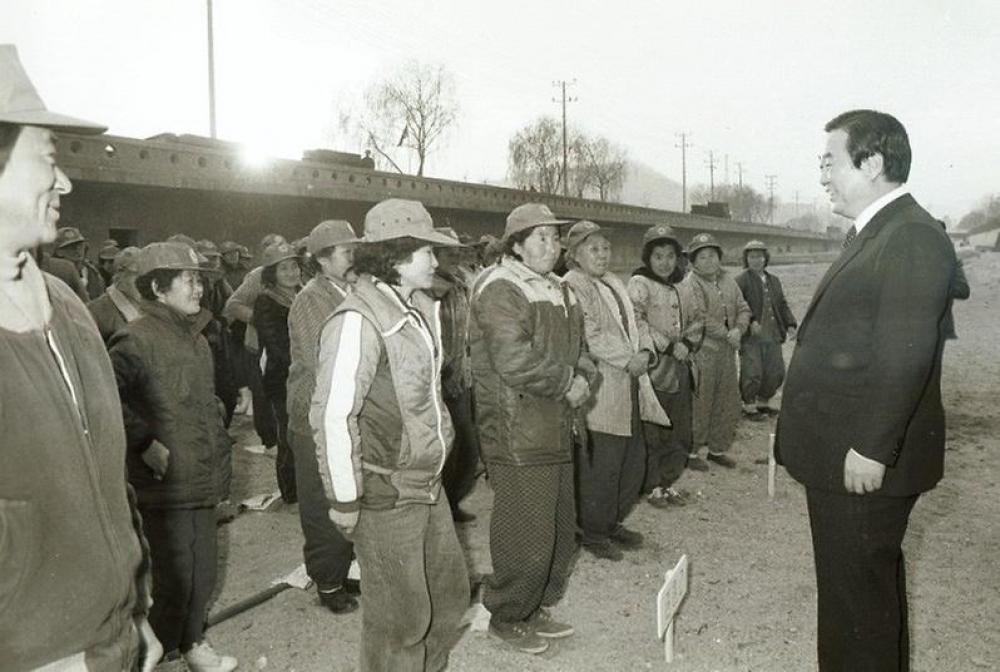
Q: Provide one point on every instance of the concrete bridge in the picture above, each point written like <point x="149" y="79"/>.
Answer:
<point x="138" y="191"/>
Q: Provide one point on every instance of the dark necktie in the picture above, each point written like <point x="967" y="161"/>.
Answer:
<point x="852" y="233"/>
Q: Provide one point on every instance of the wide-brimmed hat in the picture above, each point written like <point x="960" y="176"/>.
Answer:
<point x="579" y="232"/>
<point x="528" y="216"/>
<point x="126" y="260"/>
<point x="207" y="248"/>
<point x="21" y="104"/>
<point x="228" y="246"/>
<point x="108" y="252"/>
<point x="330" y="233"/>
<point x="171" y="256"/>
<point x="700" y="241"/>
<point x="275" y="254"/>
<point x="400" y="218"/>
<point x="68" y="235"/>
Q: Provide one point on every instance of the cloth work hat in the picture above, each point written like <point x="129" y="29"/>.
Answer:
<point x="68" y="235"/>
<point x="400" y="218"/>
<point x="173" y="256"/>
<point x="245" y="252"/>
<point x="451" y="233"/>
<point x="207" y="248"/>
<point x="275" y="254"/>
<point x="108" y="252"/>
<point x="330" y="233"/>
<point x="579" y="232"/>
<point x="126" y="260"/>
<point x="21" y="104"/>
<point x="703" y="240"/>
<point x="659" y="232"/>
<point x="228" y="246"/>
<point x="528" y="216"/>
<point x="755" y="245"/>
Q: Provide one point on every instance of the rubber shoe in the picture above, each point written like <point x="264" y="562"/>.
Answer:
<point x="338" y="600"/>
<point x="695" y="463"/>
<point x="665" y="498"/>
<point x="203" y="658"/>
<point x="722" y="460"/>
<point x="604" y="550"/>
<point x="518" y="636"/>
<point x="545" y="626"/>
<point x="626" y="538"/>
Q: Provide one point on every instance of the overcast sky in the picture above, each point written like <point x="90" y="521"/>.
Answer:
<point x="752" y="80"/>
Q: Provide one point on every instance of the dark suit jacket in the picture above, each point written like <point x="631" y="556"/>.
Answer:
<point x="866" y="369"/>
<point x="753" y="291"/>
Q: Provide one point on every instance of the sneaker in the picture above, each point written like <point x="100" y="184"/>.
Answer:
<point x="663" y="498"/>
<point x="203" y="658"/>
<point x="769" y="411"/>
<point x="750" y="412"/>
<point x="626" y="538"/>
<point x="338" y="600"/>
<point x="545" y="626"/>
<point x="722" y="460"/>
<point x="604" y="550"/>
<point x="695" y="463"/>
<point x="519" y="636"/>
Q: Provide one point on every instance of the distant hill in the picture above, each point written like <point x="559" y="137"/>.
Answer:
<point x="646" y="187"/>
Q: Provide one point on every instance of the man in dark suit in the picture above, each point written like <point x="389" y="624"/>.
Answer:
<point x="862" y="425"/>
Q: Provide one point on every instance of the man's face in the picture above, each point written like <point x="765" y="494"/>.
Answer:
<point x="30" y="187"/>
<point x="850" y="189"/>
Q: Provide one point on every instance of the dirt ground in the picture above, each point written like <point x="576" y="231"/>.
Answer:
<point x="751" y="603"/>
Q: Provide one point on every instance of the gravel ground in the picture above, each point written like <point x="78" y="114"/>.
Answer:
<point x="751" y="603"/>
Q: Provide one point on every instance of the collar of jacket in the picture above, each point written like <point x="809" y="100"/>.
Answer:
<point x="522" y="271"/>
<point x="191" y="324"/>
<point x="645" y="272"/>
<point x="714" y="277"/>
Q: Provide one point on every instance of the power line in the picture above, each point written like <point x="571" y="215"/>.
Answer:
<point x="562" y="84"/>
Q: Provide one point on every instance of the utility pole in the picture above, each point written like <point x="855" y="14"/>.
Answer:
<point x="711" y="175"/>
<point x="770" y="180"/>
<point x="684" y="180"/>
<point x="796" y="202"/>
<point x="211" y="73"/>
<point x="562" y="84"/>
<point x="739" y="171"/>
<point x="727" y="169"/>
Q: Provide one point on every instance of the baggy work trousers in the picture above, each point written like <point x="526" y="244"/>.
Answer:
<point x="762" y="369"/>
<point x="717" y="403"/>
<point x="667" y="449"/>
<point x="532" y="538"/>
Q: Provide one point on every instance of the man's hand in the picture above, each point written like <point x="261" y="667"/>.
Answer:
<point x="157" y="458"/>
<point x="681" y="351"/>
<point x="345" y="522"/>
<point x="149" y="646"/>
<point x="639" y="364"/>
<point x="862" y="474"/>
<point x="791" y="333"/>
<point x="578" y="392"/>
<point x="755" y="328"/>
<point x="734" y="336"/>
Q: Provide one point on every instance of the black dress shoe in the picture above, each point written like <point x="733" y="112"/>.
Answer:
<point x="338" y="601"/>
<point x="626" y="538"/>
<point x="722" y="460"/>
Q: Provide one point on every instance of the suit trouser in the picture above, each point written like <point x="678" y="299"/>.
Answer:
<point x="717" y="403"/>
<point x="532" y="538"/>
<point x="263" y="417"/>
<point x="860" y="580"/>
<point x="184" y="552"/>
<point x="459" y="474"/>
<point x="284" y="462"/>
<point x="416" y="587"/>
<point x="762" y="369"/>
<point x="667" y="448"/>
<point x="327" y="553"/>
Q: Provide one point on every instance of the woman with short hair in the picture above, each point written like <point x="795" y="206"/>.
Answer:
<point x="383" y="434"/>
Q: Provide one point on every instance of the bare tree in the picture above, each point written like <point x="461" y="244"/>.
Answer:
<point x="745" y="204"/>
<point x="409" y="110"/>
<point x="534" y="156"/>
<point x="599" y="165"/>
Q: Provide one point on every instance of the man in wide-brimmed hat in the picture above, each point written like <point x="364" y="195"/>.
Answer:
<point x="74" y="573"/>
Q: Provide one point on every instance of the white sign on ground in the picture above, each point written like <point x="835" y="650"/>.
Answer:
<point x="772" y="467"/>
<point x="668" y="601"/>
